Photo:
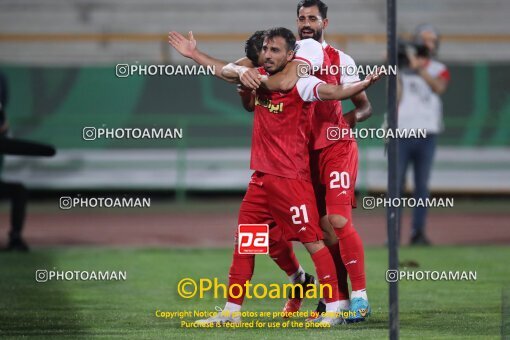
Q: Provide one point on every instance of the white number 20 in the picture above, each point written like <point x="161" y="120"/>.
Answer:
<point x="339" y="180"/>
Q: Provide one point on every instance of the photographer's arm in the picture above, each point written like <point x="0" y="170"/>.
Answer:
<point x="437" y="84"/>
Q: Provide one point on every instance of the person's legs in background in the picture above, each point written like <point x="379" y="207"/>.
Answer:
<point x="423" y="160"/>
<point x="405" y="149"/>
<point x="18" y="195"/>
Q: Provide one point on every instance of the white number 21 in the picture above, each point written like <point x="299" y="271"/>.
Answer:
<point x="296" y="217"/>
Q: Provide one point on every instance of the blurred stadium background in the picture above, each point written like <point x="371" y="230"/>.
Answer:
<point x="60" y="56"/>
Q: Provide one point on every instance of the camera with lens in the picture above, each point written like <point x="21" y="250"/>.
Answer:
<point x="410" y="47"/>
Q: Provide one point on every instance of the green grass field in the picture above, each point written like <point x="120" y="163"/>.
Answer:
<point x="126" y="309"/>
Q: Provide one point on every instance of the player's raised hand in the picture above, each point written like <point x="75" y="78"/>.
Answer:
<point x="186" y="47"/>
<point x="249" y="77"/>
<point x="376" y="75"/>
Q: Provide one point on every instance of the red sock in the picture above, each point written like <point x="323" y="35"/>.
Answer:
<point x="241" y="271"/>
<point x="326" y="273"/>
<point x="353" y="254"/>
<point x="282" y="253"/>
<point x="341" y="272"/>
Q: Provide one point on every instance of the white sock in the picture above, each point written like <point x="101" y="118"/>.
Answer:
<point x="359" y="294"/>
<point x="232" y="307"/>
<point x="344" y="304"/>
<point x="332" y="307"/>
<point x="298" y="277"/>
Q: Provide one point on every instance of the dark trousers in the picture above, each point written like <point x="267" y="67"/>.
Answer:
<point x="420" y="153"/>
<point x="18" y="196"/>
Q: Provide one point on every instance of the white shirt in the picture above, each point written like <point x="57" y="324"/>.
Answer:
<point x="420" y="107"/>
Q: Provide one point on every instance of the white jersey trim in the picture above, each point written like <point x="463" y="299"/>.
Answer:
<point x="307" y="88"/>
<point x="310" y="51"/>
<point x="347" y="66"/>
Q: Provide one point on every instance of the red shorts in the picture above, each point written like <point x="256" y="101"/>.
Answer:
<point x="334" y="171"/>
<point x="288" y="203"/>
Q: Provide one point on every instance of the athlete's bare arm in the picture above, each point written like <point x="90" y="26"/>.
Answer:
<point x="362" y="110"/>
<point x="284" y="80"/>
<point x="344" y="91"/>
<point x="188" y="48"/>
<point x="248" y="76"/>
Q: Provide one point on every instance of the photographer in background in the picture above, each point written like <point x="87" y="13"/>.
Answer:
<point x="16" y="192"/>
<point x="422" y="80"/>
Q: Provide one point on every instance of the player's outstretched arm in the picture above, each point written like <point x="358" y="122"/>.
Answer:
<point x="341" y="92"/>
<point x="284" y="80"/>
<point x="188" y="48"/>
<point x="242" y="74"/>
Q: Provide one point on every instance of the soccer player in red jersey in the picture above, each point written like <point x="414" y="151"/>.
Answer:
<point x="280" y="249"/>
<point x="280" y="190"/>
<point x="338" y="167"/>
<point x="334" y="161"/>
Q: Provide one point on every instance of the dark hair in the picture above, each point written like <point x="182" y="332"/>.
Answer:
<point x="253" y="46"/>
<point x="323" y="8"/>
<point x="283" y="32"/>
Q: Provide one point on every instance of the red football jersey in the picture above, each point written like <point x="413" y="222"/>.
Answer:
<point x="281" y="130"/>
<point x="328" y="113"/>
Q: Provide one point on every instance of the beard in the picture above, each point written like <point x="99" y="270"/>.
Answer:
<point x="317" y="34"/>
<point x="276" y="68"/>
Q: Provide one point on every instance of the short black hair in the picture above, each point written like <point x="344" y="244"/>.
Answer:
<point x="283" y="32"/>
<point x="323" y="8"/>
<point x="253" y="46"/>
